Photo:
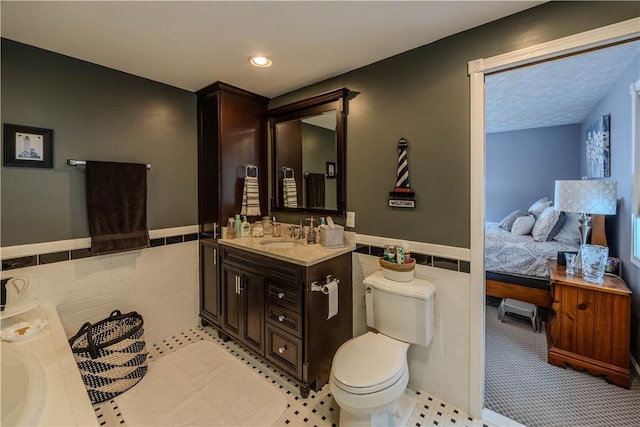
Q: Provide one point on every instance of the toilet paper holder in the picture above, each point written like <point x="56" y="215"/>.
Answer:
<point x="323" y="288"/>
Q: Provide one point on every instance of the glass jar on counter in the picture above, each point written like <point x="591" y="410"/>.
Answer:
<point x="257" y="230"/>
<point x="267" y="224"/>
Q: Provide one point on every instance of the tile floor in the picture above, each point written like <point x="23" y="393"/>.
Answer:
<point x="319" y="409"/>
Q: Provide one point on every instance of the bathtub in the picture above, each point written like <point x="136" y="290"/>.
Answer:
<point x="24" y="387"/>
<point x="41" y="384"/>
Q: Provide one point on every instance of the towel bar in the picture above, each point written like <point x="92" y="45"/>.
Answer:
<point x="74" y="162"/>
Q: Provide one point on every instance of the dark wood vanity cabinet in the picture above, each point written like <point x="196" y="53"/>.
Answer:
<point x="269" y="306"/>
<point x="231" y="133"/>
<point x="209" y="278"/>
<point x="243" y="306"/>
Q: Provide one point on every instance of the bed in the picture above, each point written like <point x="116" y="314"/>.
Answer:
<point x="516" y="266"/>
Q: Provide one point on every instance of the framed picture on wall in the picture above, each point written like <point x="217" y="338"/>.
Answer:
<point x="27" y="146"/>
<point x="331" y="170"/>
<point x="598" y="145"/>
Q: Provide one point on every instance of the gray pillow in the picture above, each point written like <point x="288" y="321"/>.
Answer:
<point x="507" y="222"/>
<point x="544" y="224"/>
<point x="556" y="228"/>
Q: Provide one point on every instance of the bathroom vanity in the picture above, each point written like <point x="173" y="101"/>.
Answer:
<point x="270" y="299"/>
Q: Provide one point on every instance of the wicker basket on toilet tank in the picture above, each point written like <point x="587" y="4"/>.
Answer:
<point x="398" y="272"/>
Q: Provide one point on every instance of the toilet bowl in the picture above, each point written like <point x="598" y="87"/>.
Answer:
<point x="368" y="377"/>
<point x="370" y="373"/>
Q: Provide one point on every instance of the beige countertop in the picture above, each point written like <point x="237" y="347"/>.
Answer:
<point x="303" y="254"/>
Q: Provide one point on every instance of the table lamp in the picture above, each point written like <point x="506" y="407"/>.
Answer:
<point x="586" y="197"/>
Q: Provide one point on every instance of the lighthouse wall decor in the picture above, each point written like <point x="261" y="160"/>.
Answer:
<point x="402" y="196"/>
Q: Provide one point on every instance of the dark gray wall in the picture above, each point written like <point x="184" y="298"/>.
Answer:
<point x="522" y="166"/>
<point x="96" y="114"/>
<point x="423" y="95"/>
<point x="617" y="103"/>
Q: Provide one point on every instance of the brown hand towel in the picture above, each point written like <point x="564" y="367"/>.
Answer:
<point x="315" y="190"/>
<point x="117" y="206"/>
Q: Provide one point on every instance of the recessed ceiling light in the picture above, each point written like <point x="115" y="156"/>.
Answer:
<point x="260" y="61"/>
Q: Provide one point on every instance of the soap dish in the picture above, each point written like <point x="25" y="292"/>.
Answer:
<point x="24" y="330"/>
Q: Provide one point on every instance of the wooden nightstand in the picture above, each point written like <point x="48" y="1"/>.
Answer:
<point x="588" y="325"/>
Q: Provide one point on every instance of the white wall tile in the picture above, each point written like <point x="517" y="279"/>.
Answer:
<point x="442" y="368"/>
<point x="160" y="283"/>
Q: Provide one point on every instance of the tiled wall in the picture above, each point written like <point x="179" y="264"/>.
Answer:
<point x="160" y="282"/>
<point x="442" y="368"/>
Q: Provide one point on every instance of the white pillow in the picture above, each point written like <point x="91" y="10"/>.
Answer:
<point x="544" y="224"/>
<point x="540" y="205"/>
<point x="508" y="221"/>
<point x="569" y="234"/>
<point x="523" y="225"/>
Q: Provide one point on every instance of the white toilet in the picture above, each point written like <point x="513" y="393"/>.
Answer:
<point x="369" y="373"/>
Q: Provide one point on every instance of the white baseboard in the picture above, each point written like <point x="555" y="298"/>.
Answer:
<point x="496" y="419"/>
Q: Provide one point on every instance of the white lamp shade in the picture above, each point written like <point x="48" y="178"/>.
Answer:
<point x="597" y="197"/>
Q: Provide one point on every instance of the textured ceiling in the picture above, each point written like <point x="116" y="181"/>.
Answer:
<point x="557" y="92"/>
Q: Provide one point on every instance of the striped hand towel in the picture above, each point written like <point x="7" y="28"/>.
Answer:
<point x="290" y="193"/>
<point x="250" y="197"/>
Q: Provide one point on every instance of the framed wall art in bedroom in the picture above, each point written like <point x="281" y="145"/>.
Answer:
<point x="598" y="146"/>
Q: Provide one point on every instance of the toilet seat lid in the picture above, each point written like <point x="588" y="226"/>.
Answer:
<point x="369" y="363"/>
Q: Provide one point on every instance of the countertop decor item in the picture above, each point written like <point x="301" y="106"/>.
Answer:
<point x="22" y="306"/>
<point x="23" y="330"/>
<point x="398" y="272"/>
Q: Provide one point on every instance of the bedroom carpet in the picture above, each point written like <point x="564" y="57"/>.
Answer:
<point x="521" y="385"/>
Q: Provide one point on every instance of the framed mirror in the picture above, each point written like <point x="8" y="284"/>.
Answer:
<point x="308" y="141"/>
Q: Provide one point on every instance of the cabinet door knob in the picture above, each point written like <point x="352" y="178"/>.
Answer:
<point x="282" y="349"/>
<point x="281" y="318"/>
<point x="280" y="295"/>
<point x="582" y="306"/>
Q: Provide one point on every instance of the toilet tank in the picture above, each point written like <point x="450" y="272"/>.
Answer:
<point x="400" y="310"/>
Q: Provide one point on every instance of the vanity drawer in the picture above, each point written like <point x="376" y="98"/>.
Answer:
<point x="287" y="320"/>
<point x="286" y="296"/>
<point x="284" y="350"/>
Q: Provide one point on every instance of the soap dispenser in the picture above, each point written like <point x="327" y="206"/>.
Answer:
<point x="245" y="227"/>
<point x="311" y="236"/>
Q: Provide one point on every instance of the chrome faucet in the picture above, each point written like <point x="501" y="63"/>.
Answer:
<point x="311" y="236"/>
<point x="299" y="229"/>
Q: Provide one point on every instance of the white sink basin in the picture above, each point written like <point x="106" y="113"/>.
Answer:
<point x="24" y="387"/>
<point x="281" y="244"/>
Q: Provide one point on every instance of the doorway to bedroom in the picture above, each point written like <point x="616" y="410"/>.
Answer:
<point x="535" y="118"/>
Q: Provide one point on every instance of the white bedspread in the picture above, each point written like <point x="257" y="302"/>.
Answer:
<point x="510" y="253"/>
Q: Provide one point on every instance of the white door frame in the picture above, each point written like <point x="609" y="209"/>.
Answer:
<point x="477" y="69"/>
